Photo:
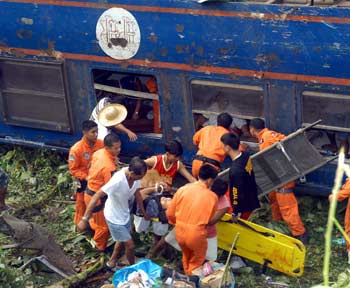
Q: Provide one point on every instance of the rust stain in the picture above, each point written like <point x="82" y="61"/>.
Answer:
<point x="180" y="28"/>
<point x="163" y="51"/>
<point x="223" y="51"/>
<point x="200" y="51"/>
<point x="24" y="34"/>
<point x="153" y="37"/>
<point x="233" y="75"/>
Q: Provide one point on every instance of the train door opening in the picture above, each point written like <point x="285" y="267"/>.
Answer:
<point x="137" y="92"/>
<point x="242" y="102"/>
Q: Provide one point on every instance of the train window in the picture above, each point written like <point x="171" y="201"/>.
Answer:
<point x="334" y="111"/>
<point x="243" y="102"/>
<point x="29" y="90"/>
<point x="138" y="93"/>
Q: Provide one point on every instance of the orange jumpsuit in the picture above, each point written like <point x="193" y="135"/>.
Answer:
<point x="209" y="145"/>
<point x="190" y="211"/>
<point x="78" y="162"/>
<point x="103" y="165"/>
<point x="343" y="194"/>
<point x="283" y="205"/>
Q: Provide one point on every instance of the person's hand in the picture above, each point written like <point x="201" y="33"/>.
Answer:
<point x="132" y="136"/>
<point x="165" y="202"/>
<point x="82" y="225"/>
<point x="330" y="197"/>
<point x="234" y="219"/>
<point x="165" y="186"/>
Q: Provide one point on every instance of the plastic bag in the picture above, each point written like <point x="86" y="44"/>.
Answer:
<point x="153" y="271"/>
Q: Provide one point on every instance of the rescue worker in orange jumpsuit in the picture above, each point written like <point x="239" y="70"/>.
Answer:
<point x="209" y="145"/>
<point x="103" y="165"/>
<point x="79" y="161"/>
<point x="344" y="193"/>
<point x="284" y="205"/>
<point x="167" y="166"/>
<point x="191" y="210"/>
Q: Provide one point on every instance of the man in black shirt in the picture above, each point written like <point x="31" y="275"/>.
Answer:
<point x="243" y="190"/>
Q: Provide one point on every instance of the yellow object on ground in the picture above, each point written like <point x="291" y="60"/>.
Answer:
<point x="263" y="246"/>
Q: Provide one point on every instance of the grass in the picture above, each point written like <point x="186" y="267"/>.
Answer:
<point x="34" y="173"/>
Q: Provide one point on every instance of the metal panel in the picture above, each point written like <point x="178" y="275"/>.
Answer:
<point x="285" y="161"/>
<point x="33" y="95"/>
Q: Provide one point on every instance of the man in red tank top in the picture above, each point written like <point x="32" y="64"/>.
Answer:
<point x="165" y="167"/>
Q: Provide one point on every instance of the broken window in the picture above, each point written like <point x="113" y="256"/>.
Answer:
<point x="29" y="90"/>
<point x="243" y="102"/>
<point x="138" y="93"/>
<point x="334" y="111"/>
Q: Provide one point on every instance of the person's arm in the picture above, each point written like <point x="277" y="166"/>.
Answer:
<point x="218" y="215"/>
<point x="197" y="137"/>
<point x="132" y="136"/>
<point x="74" y="166"/>
<point x="344" y="192"/>
<point x="184" y="172"/>
<point x="83" y="224"/>
<point x="139" y="200"/>
<point x="151" y="162"/>
<point x="135" y="115"/>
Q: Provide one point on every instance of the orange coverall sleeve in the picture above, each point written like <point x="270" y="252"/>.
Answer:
<point x="344" y="192"/>
<point x="74" y="164"/>
<point x="107" y="174"/>
<point x="197" y="137"/>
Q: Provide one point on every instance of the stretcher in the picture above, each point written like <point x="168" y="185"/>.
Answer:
<point x="262" y="245"/>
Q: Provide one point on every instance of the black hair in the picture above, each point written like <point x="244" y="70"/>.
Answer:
<point x="110" y="139"/>
<point x="224" y="120"/>
<point x="257" y="123"/>
<point x="219" y="187"/>
<point x="206" y="172"/>
<point x="231" y="140"/>
<point x="88" y="125"/>
<point x="138" y="166"/>
<point x="174" y="147"/>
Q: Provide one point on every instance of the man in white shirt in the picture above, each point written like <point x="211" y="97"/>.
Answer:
<point x="121" y="190"/>
<point x="104" y="129"/>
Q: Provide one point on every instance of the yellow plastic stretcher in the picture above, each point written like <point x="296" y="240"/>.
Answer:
<point x="262" y="245"/>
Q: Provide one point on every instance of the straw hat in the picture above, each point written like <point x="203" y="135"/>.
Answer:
<point x="112" y="114"/>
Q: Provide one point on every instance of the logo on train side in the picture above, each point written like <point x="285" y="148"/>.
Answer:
<point x="118" y="33"/>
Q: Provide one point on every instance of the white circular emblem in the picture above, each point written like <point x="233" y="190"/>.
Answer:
<point x="118" y="33"/>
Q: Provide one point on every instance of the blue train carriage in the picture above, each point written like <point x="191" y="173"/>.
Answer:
<point x="283" y="61"/>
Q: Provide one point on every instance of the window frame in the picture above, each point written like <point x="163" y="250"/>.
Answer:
<point x="60" y="66"/>
<point x="323" y="94"/>
<point x="227" y="85"/>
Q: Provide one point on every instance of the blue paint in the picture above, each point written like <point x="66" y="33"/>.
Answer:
<point x="261" y="45"/>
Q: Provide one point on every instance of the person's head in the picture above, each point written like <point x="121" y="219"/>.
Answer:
<point x="137" y="168"/>
<point x="207" y="174"/>
<point x="90" y="131"/>
<point x="255" y="126"/>
<point x="112" y="144"/>
<point x="173" y="151"/>
<point x="219" y="187"/>
<point x="230" y="142"/>
<point x="224" y="120"/>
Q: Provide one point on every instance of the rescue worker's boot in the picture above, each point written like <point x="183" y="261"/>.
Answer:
<point x="304" y="238"/>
